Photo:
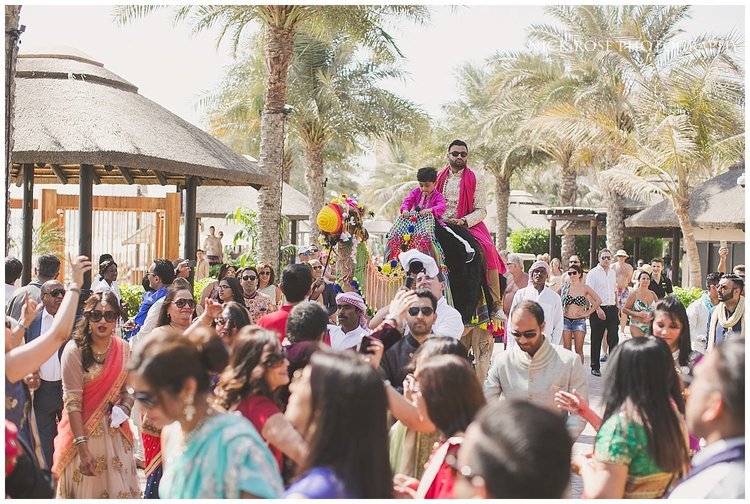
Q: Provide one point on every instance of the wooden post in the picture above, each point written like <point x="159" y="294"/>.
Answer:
<point x="85" y="214"/>
<point x="675" y="253"/>
<point x="28" y="222"/>
<point x="49" y="207"/>
<point x="552" y="237"/>
<point x="593" y="254"/>
<point x="159" y="233"/>
<point x="636" y="249"/>
<point x="293" y="237"/>
<point x="172" y="226"/>
<point x="191" y="222"/>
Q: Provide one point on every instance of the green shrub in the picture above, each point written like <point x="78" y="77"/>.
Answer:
<point x="687" y="295"/>
<point x="530" y="241"/>
<point x="132" y="294"/>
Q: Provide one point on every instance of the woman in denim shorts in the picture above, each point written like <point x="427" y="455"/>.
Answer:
<point x="579" y="301"/>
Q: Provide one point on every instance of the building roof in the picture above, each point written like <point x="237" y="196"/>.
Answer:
<point x="717" y="203"/>
<point x="219" y="201"/>
<point x="71" y="111"/>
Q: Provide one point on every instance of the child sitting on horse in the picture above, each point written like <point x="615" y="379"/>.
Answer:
<point x="425" y="200"/>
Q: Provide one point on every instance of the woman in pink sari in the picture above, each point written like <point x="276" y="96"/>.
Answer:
<point x="92" y="459"/>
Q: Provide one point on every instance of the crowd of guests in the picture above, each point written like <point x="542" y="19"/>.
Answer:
<point x="267" y="389"/>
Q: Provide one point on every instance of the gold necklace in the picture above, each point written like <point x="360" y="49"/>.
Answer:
<point x="99" y="356"/>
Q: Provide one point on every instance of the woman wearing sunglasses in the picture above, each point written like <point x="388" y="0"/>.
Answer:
<point x="176" y="314"/>
<point x="266" y="285"/>
<point x="579" y="301"/>
<point x="208" y="454"/>
<point x="256" y="373"/>
<point x="93" y="460"/>
<point x="257" y="303"/>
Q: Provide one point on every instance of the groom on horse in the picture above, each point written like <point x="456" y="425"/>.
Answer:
<point x="466" y="200"/>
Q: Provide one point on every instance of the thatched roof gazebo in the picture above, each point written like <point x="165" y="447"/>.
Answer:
<point x="77" y="122"/>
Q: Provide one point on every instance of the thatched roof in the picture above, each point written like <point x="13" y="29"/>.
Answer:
<point x="717" y="203"/>
<point x="219" y="201"/>
<point x="70" y="111"/>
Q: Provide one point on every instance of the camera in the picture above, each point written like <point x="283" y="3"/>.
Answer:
<point x="415" y="267"/>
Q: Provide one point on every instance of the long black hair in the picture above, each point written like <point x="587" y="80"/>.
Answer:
<point x="642" y="375"/>
<point x="348" y="397"/>
<point x="677" y="313"/>
<point x="234" y="285"/>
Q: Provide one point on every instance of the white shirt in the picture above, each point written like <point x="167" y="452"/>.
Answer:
<point x="344" y="341"/>
<point x="9" y="290"/>
<point x="603" y="283"/>
<point x="448" y="320"/>
<point x="698" y="316"/>
<point x="103" y="286"/>
<point x="725" y="480"/>
<point x="152" y="318"/>
<point x="50" y="370"/>
<point x="553" y="311"/>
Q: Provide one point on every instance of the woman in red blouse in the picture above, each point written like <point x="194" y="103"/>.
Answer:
<point x="257" y="370"/>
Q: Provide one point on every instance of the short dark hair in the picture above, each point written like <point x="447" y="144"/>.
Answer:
<point x="306" y="322"/>
<point x="451" y="392"/>
<point x="199" y="250"/>
<point x="13" y="269"/>
<point x="460" y="143"/>
<point x="531" y="437"/>
<point x="47" y="266"/>
<point x="736" y="279"/>
<point x="657" y="259"/>
<point x="296" y="280"/>
<point x="106" y="257"/>
<point x="730" y="368"/>
<point x="531" y="307"/>
<point x="426" y="293"/>
<point x="427" y="174"/>
<point x="713" y="278"/>
<point x="164" y="270"/>
<point x="739" y="267"/>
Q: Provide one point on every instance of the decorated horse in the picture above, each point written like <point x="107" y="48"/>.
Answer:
<point x="343" y="235"/>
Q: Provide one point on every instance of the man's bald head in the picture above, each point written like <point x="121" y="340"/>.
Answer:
<point x="52" y="294"/>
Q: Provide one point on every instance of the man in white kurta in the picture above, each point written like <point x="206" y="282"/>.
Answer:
<point x="549" y="300"/>
<point x="534" y="369"/>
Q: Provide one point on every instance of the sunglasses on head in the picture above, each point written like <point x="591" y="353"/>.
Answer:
<point x="180" y="303"/>
<point x="457" y="154"/>
<point x="274" y="359"/>
<point x="56" y="293"/>
<point x="249" y="277"/>
<point x="97" y="315"/>
<point x="426" y="310"/>
<point x="144" y="398"/>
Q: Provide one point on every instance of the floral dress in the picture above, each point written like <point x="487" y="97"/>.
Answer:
<point x="258" y="304"/>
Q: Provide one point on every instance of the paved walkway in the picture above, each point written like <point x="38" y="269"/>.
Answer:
<point x="585" y="442"/>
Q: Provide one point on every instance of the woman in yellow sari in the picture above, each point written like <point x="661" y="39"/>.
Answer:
<point x="93" y="459"/>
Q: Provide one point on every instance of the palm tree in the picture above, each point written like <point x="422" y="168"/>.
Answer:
<point x="12" y="33"/>
<point x="364" y="23"/>
<point x="689" y="125"/>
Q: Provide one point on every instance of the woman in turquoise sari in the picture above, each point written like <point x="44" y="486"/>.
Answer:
<point x="206" y="454"/>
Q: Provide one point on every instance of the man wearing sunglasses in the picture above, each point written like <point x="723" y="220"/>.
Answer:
<point x="465" y="196"/>
<point x="47" y="268"/>
<point x="418" y="309"/>
<point x="48" y="402"/>
<point x="603" y="280"/>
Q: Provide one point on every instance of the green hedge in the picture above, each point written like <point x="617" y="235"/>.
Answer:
<point x="687" y="295"/>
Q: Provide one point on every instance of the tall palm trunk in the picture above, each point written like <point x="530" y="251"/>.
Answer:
<point x="681" y="209"/>
<point x="568" y="199"/>
<point x="12" y="18"/>
<point x="279" y="51"/>
<point x="314" y="178"/>
<point x="502" y="200"/>
<point x="615" y="221"/>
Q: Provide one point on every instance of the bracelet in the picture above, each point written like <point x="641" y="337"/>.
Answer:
<point x="75" y="289"/>
<point x="386" y="383"/>
<point x="79" y="440"/>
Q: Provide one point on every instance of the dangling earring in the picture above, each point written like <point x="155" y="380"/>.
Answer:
<point x="189" y="410"/>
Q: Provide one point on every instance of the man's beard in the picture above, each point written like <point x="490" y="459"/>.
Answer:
<point x="453" y="164"/>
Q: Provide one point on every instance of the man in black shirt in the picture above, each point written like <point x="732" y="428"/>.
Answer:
<point x="418" y="308"/>
<point x="660" y="284"/>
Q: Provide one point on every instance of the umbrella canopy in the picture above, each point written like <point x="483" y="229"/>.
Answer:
<point x="71" y="111"/>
